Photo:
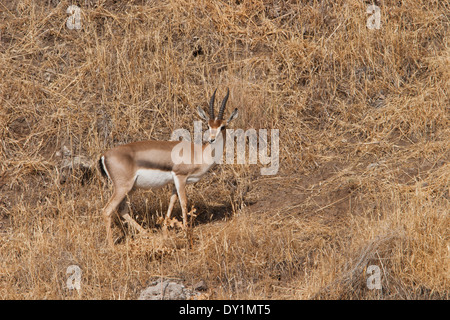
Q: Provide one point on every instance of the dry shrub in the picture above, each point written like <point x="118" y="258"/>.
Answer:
<point x="364" y="125"/>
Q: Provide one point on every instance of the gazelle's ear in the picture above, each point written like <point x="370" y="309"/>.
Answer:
<point x="202" y="113"/>
<point x="233" y="116"/>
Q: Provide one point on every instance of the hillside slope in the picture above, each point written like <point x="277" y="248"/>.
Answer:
<point x="363" y="117"/>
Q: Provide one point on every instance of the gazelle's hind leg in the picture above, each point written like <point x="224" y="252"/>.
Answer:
<point x="117" y="197"/>
<point x="124" y="213"/>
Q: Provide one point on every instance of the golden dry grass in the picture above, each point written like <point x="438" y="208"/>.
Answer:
<point x="364" y="146"/>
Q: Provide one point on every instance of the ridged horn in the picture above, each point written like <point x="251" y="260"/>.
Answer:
<point x="211" y="105"/>
<point x="222" y="107"/>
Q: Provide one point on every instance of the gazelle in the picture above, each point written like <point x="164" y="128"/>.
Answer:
<point x="150" y="164"/>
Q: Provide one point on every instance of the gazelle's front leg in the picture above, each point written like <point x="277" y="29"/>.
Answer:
<point x="180" y="184"/>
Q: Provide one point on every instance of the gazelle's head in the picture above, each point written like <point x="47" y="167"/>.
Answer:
<point x="216" y="124"/>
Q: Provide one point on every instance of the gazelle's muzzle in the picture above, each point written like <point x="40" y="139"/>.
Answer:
<point x="212" y="138"/>
<point x="213" y="133"/>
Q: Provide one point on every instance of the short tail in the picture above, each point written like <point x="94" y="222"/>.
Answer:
<point x="102" y="167"/>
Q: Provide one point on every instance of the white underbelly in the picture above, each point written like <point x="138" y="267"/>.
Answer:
<point x="150" y="178"/>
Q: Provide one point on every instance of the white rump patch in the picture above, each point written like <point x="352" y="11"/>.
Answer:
<point x="151" y="178"/>
<point x="104" y="168"/>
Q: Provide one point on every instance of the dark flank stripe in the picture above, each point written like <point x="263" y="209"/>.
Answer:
<point x="148" y="164"/>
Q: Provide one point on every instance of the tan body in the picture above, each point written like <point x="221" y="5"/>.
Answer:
<point x="150" y="165"/>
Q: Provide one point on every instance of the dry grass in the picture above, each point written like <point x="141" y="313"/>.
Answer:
<point x="364" y="146"/>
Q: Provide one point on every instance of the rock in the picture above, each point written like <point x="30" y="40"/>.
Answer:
<point x="77" y="165"/>
<point x="164" y="290"/>
<point x="167" y="290"/>
<point x="373" y="165"/>
<point x="200" y="286"/>
<point x="78" y="162"/>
